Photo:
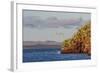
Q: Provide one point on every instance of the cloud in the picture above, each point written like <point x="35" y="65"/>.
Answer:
<point x="50" y="22"/>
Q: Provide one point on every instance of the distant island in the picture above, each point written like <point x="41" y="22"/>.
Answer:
<point x="41" y="44"/>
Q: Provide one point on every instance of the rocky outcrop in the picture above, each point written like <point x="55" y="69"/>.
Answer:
<point x="80" y="42"/>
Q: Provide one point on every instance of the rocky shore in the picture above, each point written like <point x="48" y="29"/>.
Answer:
<point x="80" y="42"/>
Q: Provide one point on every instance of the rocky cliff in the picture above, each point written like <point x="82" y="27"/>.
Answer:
<point x="80" y="42"/>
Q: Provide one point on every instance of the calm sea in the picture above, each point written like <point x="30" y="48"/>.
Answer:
<point x="48" y="54"/>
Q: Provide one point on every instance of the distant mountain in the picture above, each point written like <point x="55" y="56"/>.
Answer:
<point x="41" y="44"/>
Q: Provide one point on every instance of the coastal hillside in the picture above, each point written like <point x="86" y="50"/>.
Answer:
<point x="80" y="41"/>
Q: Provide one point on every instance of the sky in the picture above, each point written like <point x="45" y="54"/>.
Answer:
<point x="51" y="26"/>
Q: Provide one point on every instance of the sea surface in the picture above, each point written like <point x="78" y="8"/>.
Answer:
<point x="50" y="54"/>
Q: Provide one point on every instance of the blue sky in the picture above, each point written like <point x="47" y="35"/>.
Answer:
<point x="52" y="26"/>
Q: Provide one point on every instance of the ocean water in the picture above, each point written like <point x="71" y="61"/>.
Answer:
<point x="50" y="54"/>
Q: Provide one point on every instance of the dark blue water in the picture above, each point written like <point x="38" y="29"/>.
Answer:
<point x="48" y="54"/>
